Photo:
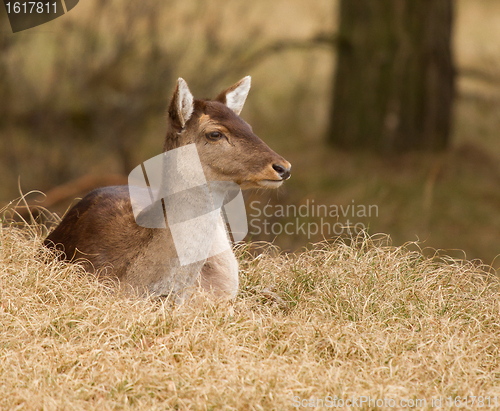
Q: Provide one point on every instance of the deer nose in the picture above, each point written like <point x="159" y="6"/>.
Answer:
<point x="283" y="172"/>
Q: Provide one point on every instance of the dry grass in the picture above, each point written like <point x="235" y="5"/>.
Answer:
<point x="346" y="320"/>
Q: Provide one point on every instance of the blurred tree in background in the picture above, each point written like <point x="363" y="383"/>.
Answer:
<point x="394" y="83"/>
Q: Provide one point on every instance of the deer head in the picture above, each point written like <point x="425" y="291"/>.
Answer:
<point x="227" y="147"/>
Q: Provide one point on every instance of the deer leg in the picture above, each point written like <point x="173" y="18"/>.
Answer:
<point x="219" y="275"/>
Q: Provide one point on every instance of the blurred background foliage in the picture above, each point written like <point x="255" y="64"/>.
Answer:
<point x="86" y="94"/>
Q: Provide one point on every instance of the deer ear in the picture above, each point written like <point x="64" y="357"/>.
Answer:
<point x="181" y="105"/>
<point x="234" y="97"/>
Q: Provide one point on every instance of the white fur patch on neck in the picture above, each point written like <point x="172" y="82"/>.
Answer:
<point x="185" y="100"/>
<point x="235" y="99"/>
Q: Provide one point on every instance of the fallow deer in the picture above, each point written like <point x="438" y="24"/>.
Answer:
<point x="101" y="232"/>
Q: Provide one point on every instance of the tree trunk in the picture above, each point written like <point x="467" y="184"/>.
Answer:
<point x="394" y="84"/>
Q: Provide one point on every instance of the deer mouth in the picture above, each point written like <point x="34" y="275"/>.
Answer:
<point x="270" y="183"/>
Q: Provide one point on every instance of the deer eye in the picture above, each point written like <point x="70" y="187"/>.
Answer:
<point x="214" y="135"/>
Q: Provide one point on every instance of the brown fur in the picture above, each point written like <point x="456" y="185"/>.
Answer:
<point x="101" y="230"/>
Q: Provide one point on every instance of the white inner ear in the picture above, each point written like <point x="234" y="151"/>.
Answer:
<point x="184" y="101"/>
<point x="236" y="99"/>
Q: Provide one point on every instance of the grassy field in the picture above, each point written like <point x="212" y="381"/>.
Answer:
<point x="364" y="321"/>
